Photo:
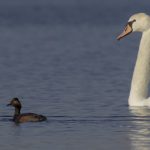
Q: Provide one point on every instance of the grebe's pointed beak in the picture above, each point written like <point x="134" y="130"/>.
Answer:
<point x="8" y="105"/>
<point x="127" y="31"/>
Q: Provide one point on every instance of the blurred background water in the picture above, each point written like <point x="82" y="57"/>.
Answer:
<point x="61" y="58"/>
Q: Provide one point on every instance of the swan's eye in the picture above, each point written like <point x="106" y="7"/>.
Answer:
<point x="130" y="23"/>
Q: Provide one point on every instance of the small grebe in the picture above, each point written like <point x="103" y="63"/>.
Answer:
<point x="25" y="117"/>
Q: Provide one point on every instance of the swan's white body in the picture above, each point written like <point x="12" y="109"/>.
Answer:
<point x="141" y="75"/>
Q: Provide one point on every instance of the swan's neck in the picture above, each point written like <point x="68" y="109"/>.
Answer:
<point x="141" y="75"/>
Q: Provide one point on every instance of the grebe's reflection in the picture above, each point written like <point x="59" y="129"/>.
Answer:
<point x="140" y="131"/>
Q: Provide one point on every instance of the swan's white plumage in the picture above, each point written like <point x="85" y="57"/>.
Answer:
<point x="142" y="22"/>
<point x="141" y="76"/>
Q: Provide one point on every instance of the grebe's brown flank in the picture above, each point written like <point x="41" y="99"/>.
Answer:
<point x="25" y="117"/>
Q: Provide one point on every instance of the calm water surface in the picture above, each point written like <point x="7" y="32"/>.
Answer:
<point x="77" y="75"/>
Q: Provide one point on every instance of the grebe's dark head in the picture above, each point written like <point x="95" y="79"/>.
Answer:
<point x="15" y="103"/>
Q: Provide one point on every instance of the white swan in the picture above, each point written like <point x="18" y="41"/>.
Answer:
<point x="140" y="81"/>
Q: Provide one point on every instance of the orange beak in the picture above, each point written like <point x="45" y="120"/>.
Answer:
<point x="127" y="31"/>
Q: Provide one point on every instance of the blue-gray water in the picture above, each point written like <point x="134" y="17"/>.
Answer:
<point x="62" y="60"/>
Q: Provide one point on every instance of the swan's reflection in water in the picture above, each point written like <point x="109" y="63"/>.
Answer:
<point x="140" y="130"/>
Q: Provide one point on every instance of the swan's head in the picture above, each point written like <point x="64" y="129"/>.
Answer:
<point x="137" y="23"/>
